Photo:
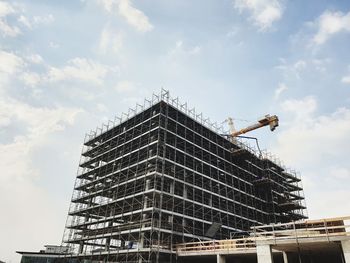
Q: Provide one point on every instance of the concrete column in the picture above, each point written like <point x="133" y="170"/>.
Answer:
<point x="148" y="183"/>
<point x="81" y="247"/>
<point x="285" y="257"/>
<point x="142" y="239"/>
<point x="264" y="253"/>
<point x="172" y="187"/>
<point x="147" y="187"/>
<point x="345" y="244"/>
<point x="145" y="203"/>
<point x="220" y="259"/>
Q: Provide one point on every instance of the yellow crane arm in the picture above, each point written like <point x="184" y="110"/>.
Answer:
<point x="267" y="120"/>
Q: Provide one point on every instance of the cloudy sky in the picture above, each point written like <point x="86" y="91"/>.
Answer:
<point x="67" y="66"/>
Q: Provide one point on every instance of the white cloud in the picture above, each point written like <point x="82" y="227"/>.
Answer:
<point x="77" y="69"/>
<point x="327" y="203"/>
<point x="5" y="9"/>
<point x="195" y="50"/>
<point x="263" y="12"/>
<point x="107" y="4"/>
<point x="53" y="45"/>
<point x="180" y="49"/>
<point x="300" y="65"/>
<point x="339" y="173"/>
<point x="101" y="107"/>
<point x="282" y="87"/>
<point x="318" y="146"/>
<point x="39" y="121"/>
<point x="31" y="79"/>
<point x="18" y="185"/>
<point x="132" y="15"/>
<point x="321" y="64"/>
<point x="6" y="29"/>
<point x="124" y="86"/>
<point x="330" y="23"/>
<point x="24" y="20"/>
<point x="179" y="44"/>
<point x="110" y="40"/>
<point x="44" y="19"/>
<point x="233" y="32"/>
<point x="13" y="66"/>
<point x="297" y="66"/>
<point x="81" y="69"/>
<point x="302" y="109"/>
<point x="296" y="69"/>
<point x="292" y="69"/>
<point x="36" y="20"/>
<point x="10" y="63"/>
<point x="346" y="79"/>
<point x="35" y="59"/>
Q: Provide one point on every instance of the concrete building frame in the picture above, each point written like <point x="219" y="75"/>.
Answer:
<point x="162" y="175"/>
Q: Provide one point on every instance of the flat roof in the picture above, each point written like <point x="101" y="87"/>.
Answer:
<point x="41" y="253"/>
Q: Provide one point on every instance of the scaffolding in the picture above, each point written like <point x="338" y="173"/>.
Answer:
<point x="161" y="175"/>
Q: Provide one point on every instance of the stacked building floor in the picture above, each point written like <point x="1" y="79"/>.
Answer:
<point x="164" y="176"/>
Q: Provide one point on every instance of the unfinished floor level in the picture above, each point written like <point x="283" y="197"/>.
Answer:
<point x="307" y="241"/>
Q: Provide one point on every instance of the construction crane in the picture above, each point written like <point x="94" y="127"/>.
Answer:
<point x="272" y="121"/>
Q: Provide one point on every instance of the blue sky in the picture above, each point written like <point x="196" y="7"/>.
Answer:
<point x="68" y="66"/>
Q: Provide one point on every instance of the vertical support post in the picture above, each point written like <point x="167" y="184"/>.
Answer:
<point x="110" y="224"/>
<point x="285" y="257"/>
<point x="185" y="192"/>
<point x="147" y="185"/>
<point x="81" y="247"/>
<point x="264" y="253"/>
<point x="172" y="187"/>
<point x="345" y="244"/>
<point x="142" y="235"/>
<point x="142" y="239"/>
<point x="220" y="258"/>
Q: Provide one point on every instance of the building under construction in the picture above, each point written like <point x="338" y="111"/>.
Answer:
<point x="163" y="175"/>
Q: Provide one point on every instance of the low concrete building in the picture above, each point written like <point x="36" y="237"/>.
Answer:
<point x="51" y="254"/>
<point x="307" y="241"/>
